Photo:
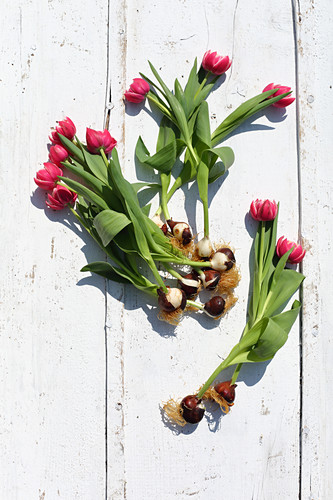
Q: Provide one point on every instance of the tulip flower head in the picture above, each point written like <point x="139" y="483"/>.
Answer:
<point x="137" y="91"/>
<point x="60" y="198"/>
<point x="99" y="140"/>
<point x="215" y="64"/>
<point x="284" y="245"/>
<point x="281" y="89"/>
<point x="263" y="210"/>
<point x="47" y="177"/>
<point x="58" y="154"/>
<point x="66" y="128"/>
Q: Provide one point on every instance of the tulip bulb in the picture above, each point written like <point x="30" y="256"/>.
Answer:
<point x="158" y="221"/>
<point x="181" y="231"/>
<point x="172" y="300"/>
<point x="227" y="391"/>
<point x="204" y="247"/>
<point x="215" y="306"/>
<point x="223" y="259"/>
<point x="193" y="409"/>
<point x="190" y="284"/>
<point x="210" y="279"/>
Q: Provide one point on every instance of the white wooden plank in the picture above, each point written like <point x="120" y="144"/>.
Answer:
<point x="255" y="449"/>
<point x="53" y="60"/>
<point x="316" y="128"/>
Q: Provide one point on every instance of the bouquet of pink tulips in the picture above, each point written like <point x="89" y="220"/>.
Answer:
<point x="143" y="251"/>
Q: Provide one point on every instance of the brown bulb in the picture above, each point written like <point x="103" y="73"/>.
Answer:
<point x="190" y="284"/>
<point x="181" y="231"/>
<point x="227" y="391"/>
<point x="212" y="279"/>
<point x="172" y="300"/>
<point x="215" y="306"/>
<point x="231" y="257"/>
<point x="193" y="410"/>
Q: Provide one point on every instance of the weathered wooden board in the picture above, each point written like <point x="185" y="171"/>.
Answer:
<point x="53" y="63"/>
<point x="83" y="372"/>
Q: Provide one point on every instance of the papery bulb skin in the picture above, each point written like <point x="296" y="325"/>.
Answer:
<point x="215" y="306"/>
<point x="190" y="284"/>
<point x="227" y="391"/>
<point x="263" y="210"/>
<point x="58" y="154"/>
<point x="137" y="91"/>
<point x="174" y="299"/>
<point x="284" y="245"/>
<point x="181" y="231"/>
<point x="204" y="248"/>
<point x="281" y="89"/>
<point x="193" y="409"/>
<point x="210" y="278"/>
<point x="215" y="64"/>
<point x="47" y="177"/>
<point x="223" y="259"/>
<point x="66" y="128"/>
<point x="60" y="198"/>
<point x="158" y="221"/>
<point x="97" y="140"/>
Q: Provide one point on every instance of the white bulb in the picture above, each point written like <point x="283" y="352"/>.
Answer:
<point x="204" y="247"/>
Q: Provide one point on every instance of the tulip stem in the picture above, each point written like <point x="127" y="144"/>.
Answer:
<point x="197" y="305"/>
<point x="164" y="109"/>
<point x="172" y="271"/>
<point x="202" y="84"/>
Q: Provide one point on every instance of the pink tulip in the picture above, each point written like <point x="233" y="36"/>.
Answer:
<point x="66" y="128"/>
<point x="215" y="64"/>
<point x="58" y="154"/>
<point x="285" y="101"/>
<point x="99" y="140"/>
<point x="137" y="91"/>
<point x="60" y="198"/>
<point x="283" y="246"/>
<point x="263" y="210"/>
<point x="47" y="177"/>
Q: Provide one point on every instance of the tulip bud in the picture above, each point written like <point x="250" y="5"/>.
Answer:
<point x="47" y="177"/>
<point x="263" y="210"/>
<point x="190" y="284"/>
<point x="281" y="89"/>
<point x="58" y="154"/>
<point x="215" y="64"/>
<point x="137" y="91"/>
<point x="227" y="391"/>
<point x="181" y="231"/>
<point x="66" y="128"/>
<point x="60" y="198"/>
<point x="99" y="140"/>
<point x="193" y="409"/>
<point x="210" y="278"/>
<point x="284" y="245"/>
<point x="172" y="300"/>
<point x="223" y="259"/>
<point x="215" y="306"/>
<point x="204" y="247"/>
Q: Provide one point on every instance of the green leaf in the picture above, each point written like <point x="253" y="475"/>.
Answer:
<point x="225" y="154"/>
<point x="202" y="180"/>
<point x="202" y="126"/>
<point x="72" y="148"/>
<point x="95" y="163"/>
<point x="137" y="186"/>
<point x="215" y="172"/>
<point x="166" y="133"/>
<point x="285" y="286"/>
<point x="104" y="269"/>
<point x="109" y="223"/>
<point x="176" y="107"/>
<point x="163" y="160"/>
